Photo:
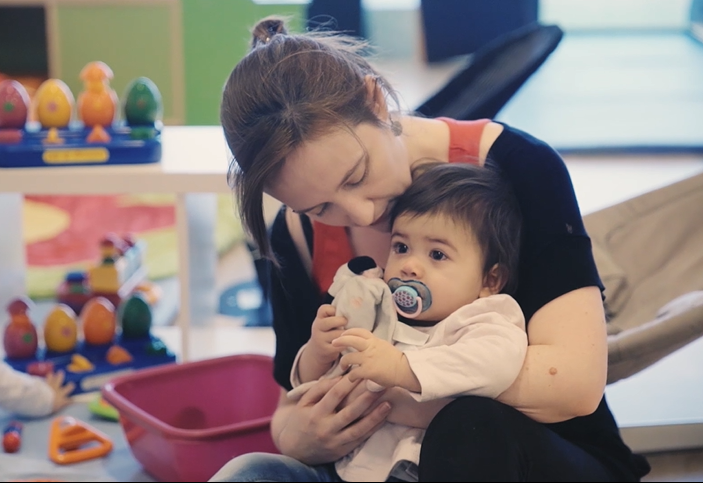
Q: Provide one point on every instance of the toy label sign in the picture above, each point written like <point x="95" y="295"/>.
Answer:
<point x="87" y="155"/>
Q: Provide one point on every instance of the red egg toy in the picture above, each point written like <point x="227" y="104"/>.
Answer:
<point x="14" y="105"/>
<point x="20" y="337"/>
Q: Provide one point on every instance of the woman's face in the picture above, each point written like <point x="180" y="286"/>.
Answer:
<point x="345" y="179"/>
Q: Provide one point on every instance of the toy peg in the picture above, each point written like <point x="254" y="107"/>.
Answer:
<point x="118" y="355"/>
<point x="79" y="364"/>
<point x="73" y="441"/>
<point x="12" y="437"/>
<point x="40" y="368"/>
<point x="103" y="409"/>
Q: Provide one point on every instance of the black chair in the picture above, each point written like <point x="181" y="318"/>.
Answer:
<point x="494" y="74"/>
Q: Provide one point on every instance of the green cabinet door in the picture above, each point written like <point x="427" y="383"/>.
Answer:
<point x="134" y="38"/>
<point x="216" y="36"/>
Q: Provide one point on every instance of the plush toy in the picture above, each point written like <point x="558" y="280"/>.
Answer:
<point x="360" y="294"/>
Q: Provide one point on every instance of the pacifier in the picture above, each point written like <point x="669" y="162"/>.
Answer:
<point x="410" y="297"/>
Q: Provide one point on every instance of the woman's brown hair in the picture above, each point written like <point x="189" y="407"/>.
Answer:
<point x="289" y="89"/>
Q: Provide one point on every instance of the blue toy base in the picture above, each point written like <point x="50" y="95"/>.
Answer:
<point x="141" y="145"/>
<point x="94" y="379"/>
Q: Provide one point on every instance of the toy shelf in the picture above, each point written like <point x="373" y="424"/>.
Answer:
<point x="194" y="160"/>
<point x="33" y="151"/>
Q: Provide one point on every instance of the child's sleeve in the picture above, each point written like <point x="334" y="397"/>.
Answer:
<point x="479" y="350"/>
<point x="23" y="394"/>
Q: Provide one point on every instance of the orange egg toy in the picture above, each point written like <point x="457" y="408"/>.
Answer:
<point x="61" y="329"/>
<point x="98" y="319"/>
<point x="97" y="104"/>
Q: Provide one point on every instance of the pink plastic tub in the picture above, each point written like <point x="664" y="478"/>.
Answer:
<point x="183" y="422"/>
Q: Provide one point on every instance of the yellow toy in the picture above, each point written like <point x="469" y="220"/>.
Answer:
<point x="54" y="108"/>
<point x="122" y="259"/>
<point x="119" y="273"/>
<point x="80" y="364"/>
<point x="61" y="329"/>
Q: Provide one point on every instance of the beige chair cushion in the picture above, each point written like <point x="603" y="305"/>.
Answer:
<point x="615" y="281"/>
<point x="649" y="252"/>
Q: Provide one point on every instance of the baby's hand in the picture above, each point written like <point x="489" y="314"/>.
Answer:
<point x="61" y="391"/>
<point x="325" y="328"/>
<point x="374" y="359"/>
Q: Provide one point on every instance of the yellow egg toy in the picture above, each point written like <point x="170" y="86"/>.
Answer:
<point x="61" y="329"/>
<point x="98" y="319"/>
<point x="54" y="104"/>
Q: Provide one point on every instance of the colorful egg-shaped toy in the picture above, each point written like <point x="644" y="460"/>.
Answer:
<point x="53" y="103"/>
<point x="134" y="315"/>
<point x="142" y="103"/>
<point x="98" y="319"/>
<point x="14" y="105"/>
<point x="61" y="329"/>
<point x="20" y="336"/>
<point x="97" y="104"/>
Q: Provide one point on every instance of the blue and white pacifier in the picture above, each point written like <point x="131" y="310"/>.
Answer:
<point x="410" y="297"/>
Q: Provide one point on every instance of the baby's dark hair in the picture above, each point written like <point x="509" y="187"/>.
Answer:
<point x="477" y="198"/>
<point x="289" y="89"/>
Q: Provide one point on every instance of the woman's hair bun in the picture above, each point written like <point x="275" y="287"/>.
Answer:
<point x="264" y="31"/>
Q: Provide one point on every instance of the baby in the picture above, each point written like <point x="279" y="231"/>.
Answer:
<point x="454" y="248"/>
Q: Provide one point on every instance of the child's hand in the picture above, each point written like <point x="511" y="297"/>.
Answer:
<point x="325" y="328"/>
<point x="375" y="359"/>
<point x="61" y="391"/>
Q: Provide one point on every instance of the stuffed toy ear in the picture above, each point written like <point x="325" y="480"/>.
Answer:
<point x="359" y="265"/>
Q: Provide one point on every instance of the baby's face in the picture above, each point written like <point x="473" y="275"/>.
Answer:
<point x="443" y="256"/>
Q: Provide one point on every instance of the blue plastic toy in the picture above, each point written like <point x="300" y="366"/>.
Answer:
<point x="96" y="138"/>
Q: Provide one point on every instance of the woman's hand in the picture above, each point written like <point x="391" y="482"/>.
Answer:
<point x="405" y="409"/>
<point x="317" y="430"/>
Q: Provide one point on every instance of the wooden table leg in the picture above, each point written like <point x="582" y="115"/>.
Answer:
<point x="13" y="264"/>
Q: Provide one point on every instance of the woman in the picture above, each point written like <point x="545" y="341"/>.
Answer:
<point x="310" y="123"/>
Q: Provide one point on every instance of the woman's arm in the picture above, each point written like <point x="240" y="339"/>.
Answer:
<point x="565" y="370"/>
<point x="564" y="373"/>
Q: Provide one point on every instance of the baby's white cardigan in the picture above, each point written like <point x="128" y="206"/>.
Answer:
<point x="478" y="350"/>
<point x="23" y="394"/>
